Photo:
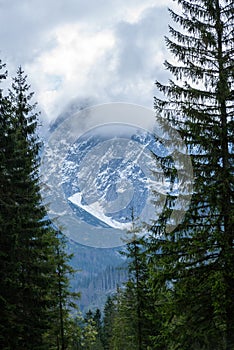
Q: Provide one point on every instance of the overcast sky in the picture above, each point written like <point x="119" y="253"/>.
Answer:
<point x="106" y="50"/>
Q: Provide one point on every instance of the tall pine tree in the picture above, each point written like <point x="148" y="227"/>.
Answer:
<point x="195" y="262"/>
<point x="136" y="299"/>
<point x="32" y="271"/>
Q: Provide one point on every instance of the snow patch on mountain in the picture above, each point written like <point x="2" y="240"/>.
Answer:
<point x="97" y="210"/>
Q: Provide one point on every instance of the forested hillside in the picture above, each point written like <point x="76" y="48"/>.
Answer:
<point x="99" y="274"/>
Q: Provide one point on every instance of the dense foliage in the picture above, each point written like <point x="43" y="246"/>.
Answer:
<point x="199" y="255"/>
<point x="189" y="276"/>
<point x="180" y="288"/>
<point x="34" y="287"/>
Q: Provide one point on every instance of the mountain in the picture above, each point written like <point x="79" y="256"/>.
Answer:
<point x="108" y="174"/>
<point x="96" y="179"/>
<point x="103" y="194"/>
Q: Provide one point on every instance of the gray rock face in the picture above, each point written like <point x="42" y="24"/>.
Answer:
<point x="106" y="178"/>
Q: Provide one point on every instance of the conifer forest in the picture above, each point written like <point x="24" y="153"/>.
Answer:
<point x="178" y="292"/>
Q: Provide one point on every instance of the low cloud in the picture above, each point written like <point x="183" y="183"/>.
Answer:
<point x="106" y="50"/>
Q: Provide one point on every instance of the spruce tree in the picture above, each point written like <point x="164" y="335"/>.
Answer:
<point x="7" y="275"/>
<point x="136" y="297"/>
<point x="125" y="322"/>
<point x="195" y="262"/>
<point x="64" y="308"/>
<point x="108" y="321"/>
<point x="132" y="325"/>
<point x="31" y="270"/>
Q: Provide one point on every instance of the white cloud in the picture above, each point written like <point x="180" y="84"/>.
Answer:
<point x="66" y="67"/>
<point x="109" y="50"/>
